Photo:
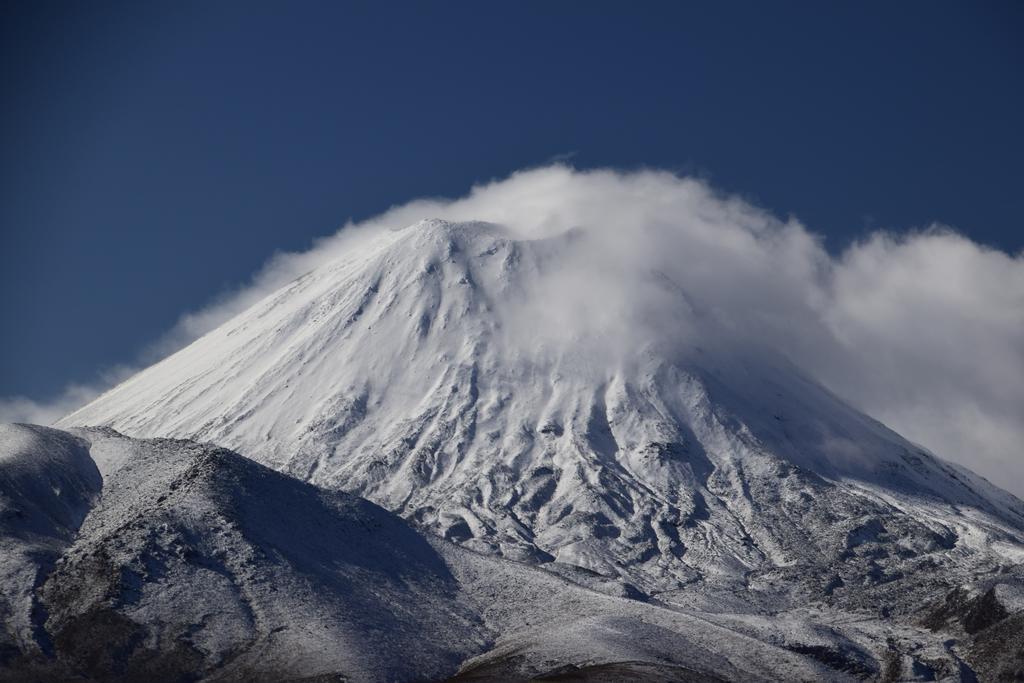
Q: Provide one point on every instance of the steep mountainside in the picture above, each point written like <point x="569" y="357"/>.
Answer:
<point x="431" y="371"/>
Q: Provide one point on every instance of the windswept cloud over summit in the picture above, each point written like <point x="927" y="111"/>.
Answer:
<point x="923" y="331"/>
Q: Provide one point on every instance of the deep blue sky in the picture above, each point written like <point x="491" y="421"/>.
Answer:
<point x="156" y="153"/>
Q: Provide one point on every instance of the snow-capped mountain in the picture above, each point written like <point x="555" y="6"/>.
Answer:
<point x="466" y="379"/>
<point x="393" y="374"/>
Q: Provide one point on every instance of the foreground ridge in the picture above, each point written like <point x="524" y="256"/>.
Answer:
<point x="191" y="561"/>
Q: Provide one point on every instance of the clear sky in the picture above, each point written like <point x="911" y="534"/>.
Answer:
<point x="154" y="154"/>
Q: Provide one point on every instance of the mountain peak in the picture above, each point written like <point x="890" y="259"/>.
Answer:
<point x="502" y="394"/>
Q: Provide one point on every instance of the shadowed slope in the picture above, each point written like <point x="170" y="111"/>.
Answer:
<point x="197" y="561"/>
<point x="47" y="484"/>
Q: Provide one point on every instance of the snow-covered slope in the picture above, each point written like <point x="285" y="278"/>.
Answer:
<point x="191" y="562"/>
<point x="442" y="372"/>
<point x="48" y="482"/>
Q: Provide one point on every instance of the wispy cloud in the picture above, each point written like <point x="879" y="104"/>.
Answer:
<point x="25" y="409"/>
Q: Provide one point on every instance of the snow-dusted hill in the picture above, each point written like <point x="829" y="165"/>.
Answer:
<point x="181" y="561"/>
<point x="192" y="560"/>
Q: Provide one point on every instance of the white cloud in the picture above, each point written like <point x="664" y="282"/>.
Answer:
<point x="24" y="409"/>
<point x="924" y="331"/>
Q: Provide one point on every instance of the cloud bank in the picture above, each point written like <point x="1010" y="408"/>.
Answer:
<point x="923" y="331"/>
